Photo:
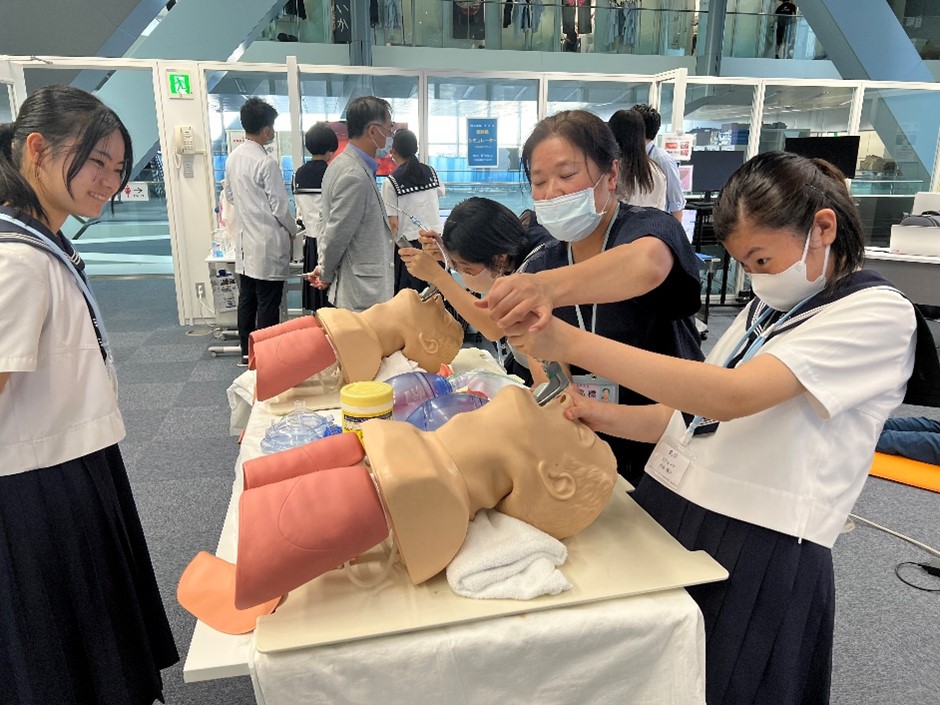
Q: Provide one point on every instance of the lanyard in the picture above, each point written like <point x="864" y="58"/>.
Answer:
<point x="761" y="335"/>
<point x="96" y="319"/>
<point x="577" y="307"/>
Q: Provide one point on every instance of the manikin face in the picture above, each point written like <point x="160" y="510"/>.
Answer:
<point x="430" y="328"/>
<point x="93" y="186"/>
<point x="558" y="168"/>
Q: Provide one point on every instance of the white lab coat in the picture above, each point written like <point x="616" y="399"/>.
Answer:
<point x="265" y="226"/>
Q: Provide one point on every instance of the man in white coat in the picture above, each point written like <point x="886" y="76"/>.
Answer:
<point x="355" y="248"/>
<point x="265" y="227"/>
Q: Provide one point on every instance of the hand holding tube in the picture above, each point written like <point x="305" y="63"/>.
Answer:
<point x="430" y="243"/>
<point x="422" y="265"/>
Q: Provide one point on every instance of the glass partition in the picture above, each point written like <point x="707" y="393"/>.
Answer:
<point x="899" y="130"/>
<point x="803" y="111"/>
<point x="228" y="91"/>
<point x="134" y="237"/>
<point x="719" y="115"/>
<point x="603" y="98"/>
<point x="511" y="105"/>
<point x="325" y="97"/>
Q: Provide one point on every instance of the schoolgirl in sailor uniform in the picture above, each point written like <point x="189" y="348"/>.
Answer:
<point x="780" y="426"/>
<point x="81" y="618"/>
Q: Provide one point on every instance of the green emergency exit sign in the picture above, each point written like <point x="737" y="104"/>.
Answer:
<point x="179" y="85"/>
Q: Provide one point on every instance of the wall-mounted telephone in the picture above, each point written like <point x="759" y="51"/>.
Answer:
<point x="184" y="143"/>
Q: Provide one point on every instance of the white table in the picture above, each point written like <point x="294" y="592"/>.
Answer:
<point x="916" y="276"/>
<point x="641" y="649"/>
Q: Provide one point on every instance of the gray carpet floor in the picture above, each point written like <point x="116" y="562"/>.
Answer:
<point x="180" y="459"/>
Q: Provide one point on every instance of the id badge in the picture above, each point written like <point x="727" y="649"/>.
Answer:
<point x="594" y="387"/>
<point x="669" y="461"/>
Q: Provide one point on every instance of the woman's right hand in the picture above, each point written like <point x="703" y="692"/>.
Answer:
<point x="518" y="301"/>
<point x="422" y="265"/>
<point x="591" y="412"/>
<point x="431" y="243"/>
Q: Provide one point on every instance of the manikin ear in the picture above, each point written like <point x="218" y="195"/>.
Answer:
<point x="429" y="344"/>
<point x="560" y="484"/>
<point x="825" y="224"/>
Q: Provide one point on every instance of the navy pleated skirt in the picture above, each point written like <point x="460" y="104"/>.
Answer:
<point x="768" y="628"/>
<point x="81" y="619"/>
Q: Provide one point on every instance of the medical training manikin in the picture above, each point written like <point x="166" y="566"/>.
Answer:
<point x="289" y="353"/>
<point x="307" y="510"/>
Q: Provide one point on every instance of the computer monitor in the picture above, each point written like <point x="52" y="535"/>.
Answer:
<point x="711" y="170"/>
<point x="842" y="152"/>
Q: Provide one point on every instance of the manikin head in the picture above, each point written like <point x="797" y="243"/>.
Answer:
<point x="526" y="460"/>
<point x="422" y="330"/>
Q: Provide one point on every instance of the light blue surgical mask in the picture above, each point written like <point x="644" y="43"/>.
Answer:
<point x="382" y="152"/>
<point x="571" y="218"/>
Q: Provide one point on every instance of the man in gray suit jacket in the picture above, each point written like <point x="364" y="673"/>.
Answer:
<point x="356" y="259"/>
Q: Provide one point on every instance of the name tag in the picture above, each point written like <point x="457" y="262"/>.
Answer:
<point x="594" y="387"/>
<point x="669" y="462"/>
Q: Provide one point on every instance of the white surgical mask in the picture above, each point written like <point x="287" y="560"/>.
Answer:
<point x="481" y="282"/>
<point x="571" y="218"/>
<point x="782" y="291"/>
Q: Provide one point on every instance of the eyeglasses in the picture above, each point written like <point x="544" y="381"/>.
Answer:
<point x="390" y="129"/>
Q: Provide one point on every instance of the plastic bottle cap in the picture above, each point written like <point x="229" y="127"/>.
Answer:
<point x="361" y="401"/>
<point x="366" y="394"/>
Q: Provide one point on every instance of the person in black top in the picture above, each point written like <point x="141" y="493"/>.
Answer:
<point x="322" y="143"/>
<point x="784" y="12"/>
<point x="651" y="274"/>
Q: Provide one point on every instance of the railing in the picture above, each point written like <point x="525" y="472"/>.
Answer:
<point x="769" y="36"/>
<point x="621" y="27"/>
<point x="601" y="28"/>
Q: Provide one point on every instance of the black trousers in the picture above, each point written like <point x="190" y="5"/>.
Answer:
<point x="259" y="306"/>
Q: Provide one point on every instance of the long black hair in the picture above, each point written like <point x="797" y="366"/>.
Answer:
<point x="784" y="191"/>
<point x="479" y="230"/>
<point x="405" y="144"/>
<point x="60" y="114"/>
<point x="636" y="174"/>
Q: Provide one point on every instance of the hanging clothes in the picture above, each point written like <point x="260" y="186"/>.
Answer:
<point x="567" y="17"/>
<point x="585" y="21"/>
<point x="393" y="18"/>
<point x="614" y="22"/>
<point x="526" y="16"/>
<point x="576" y="10"/>
<point x="630" y="16"/>
<point x="507" y="13"/>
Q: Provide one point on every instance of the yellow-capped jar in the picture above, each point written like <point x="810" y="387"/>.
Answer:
<point x="361" y="401"/>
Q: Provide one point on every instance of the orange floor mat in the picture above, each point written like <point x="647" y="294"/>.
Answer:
<point x="907" y="471"/>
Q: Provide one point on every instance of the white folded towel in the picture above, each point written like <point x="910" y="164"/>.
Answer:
<point x="505" y="558"/>
<point x="396" y="364"/>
